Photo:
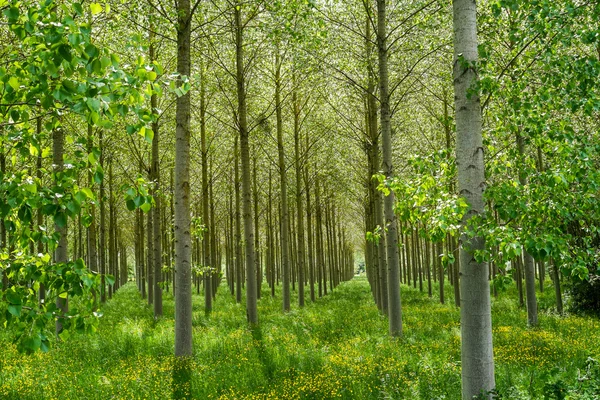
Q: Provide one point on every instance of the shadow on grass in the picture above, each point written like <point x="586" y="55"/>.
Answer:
<point x="265" y="359"/>
<point x="182" y="378"/>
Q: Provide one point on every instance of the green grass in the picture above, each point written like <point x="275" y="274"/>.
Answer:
<point x="335" y="348"/>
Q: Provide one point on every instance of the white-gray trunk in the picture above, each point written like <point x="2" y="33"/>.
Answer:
<point x="393" y="264"/>
<point x="251" y="306"/>
<point x="285" y="264"/>
<point x="206" y="243"/>
<point x="182" y="226"/>
<point x="155" y="174"/>
<point x="299" y="204"/>
<point x="475" y="312"/>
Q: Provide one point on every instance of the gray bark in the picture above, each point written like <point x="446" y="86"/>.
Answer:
<point x="299" y="203"/>
<point x="208" y="295"/>
<point x="182" y="225"/>
<point x="393" y="265"/>
<point x="285" y="263"/>
<point x="476" y="323"/>
<point x="251" y="306"/>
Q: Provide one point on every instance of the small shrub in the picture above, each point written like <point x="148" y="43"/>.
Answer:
<point x="585" y="296"/>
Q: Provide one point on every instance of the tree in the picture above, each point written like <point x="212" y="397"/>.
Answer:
<point x="393" y="278"/>
<point x="251" y="298"/>
<point x="182" y="223"/>
<point x="477" y="358"/>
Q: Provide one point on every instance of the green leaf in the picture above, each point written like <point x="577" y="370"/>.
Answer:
<point x="91" y="51"/>
<point x="146" y="207"/>
<point x="98" y="176"/>
<point x="13" y="82"/>
<point x="130" y="204"/>
<point x="95" y="8"/>
<point x="15" y="309"/>
<point x="109" y="279"/>
<point x="60" y="219"/>
<point x="88" y="193"/>
<point x="13" y="297"/>
<point x="74" y="207"/>
<point x="149" y="135"/>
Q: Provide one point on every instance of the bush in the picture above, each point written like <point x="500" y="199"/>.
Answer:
<point x="585" y="296"/>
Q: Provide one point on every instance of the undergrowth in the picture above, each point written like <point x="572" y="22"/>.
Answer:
<point x="335" y="348"/>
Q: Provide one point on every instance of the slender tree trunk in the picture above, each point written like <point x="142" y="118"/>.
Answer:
<point x="156" y="191"/>
<point x="557" y="291"/>
<point x="532" y="314"/>
<point x="3" y="241"/>
<point x="309" y="231"/>
<point x="393" y="283"/>
<point x="208" y="296"/>
<point x="477" y="356"/>
<point x="60" y="253"/>
<point x="238" y="225"/>
<point x="182" y="225"/>
<point x="299" y="203"/>
<point x="150" y="253"/>
<point x="102" y="246"/>
<point x="319" y="226"/>
<point x="39" y="216"/>
<point x="283" y="178"/>
<point x="111" y="250"/>
<point x="257" y="259"/>
<point x="251" y="306"/>
<point x="92" y="243"/>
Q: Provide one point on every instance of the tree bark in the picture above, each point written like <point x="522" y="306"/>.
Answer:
<point x="283" y="181"/>
<point x="477" y="357"/>
<point x="393" y="273"/>
<point x="182" y="225"/>
<point x="251" y="306"/>
<point x="60" y="253"/>
<point x="155" y="177"/>
<point x="299" y="204"/>
<point x="208" y="296"/>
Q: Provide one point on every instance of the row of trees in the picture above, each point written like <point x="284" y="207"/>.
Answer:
<point x="280" y="114"/>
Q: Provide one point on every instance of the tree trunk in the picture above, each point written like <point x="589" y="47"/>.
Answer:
<point x="477" y="356"/>
<point x="182" y="223"/>
<point x="60" y="253"/>
<point x="102" y="246"/>
<point x="283" y="178"/>
<point x="92" y="244"/>
<point x="299" y="204"/>
<point x="238" y="225"/>
<point x="208" y="265"/>
<point x="393" y="273"/>
<point x="532" y="314"/>
<point x="156" y="191"/>
<point x="251" y="306"/>
<point x="257" y="259"/>
<point x="150" y="253"/>
<point x="557" y="291"/>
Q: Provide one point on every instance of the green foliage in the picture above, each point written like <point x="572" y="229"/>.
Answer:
<point x="585" y="295"/>
<point x="55" y="74"/>
<point x="424" y="198"/>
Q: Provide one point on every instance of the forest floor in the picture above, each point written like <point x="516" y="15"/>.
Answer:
<point x="335" y="348"/>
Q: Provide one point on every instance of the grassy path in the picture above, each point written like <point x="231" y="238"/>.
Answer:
<point x="335" y="348"/>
